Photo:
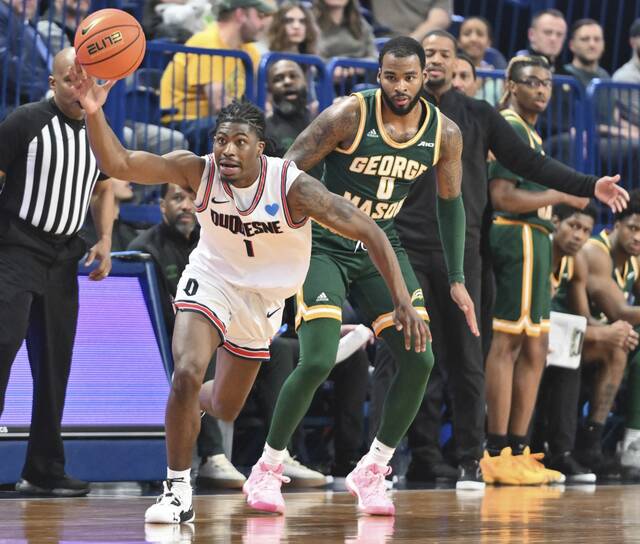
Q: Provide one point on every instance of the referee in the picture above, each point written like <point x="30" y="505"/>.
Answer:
<point x="48" y="176"/>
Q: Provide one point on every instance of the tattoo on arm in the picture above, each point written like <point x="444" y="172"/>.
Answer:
<point x="3" y="179"/>
<point x="310" y="198"/>
<point x="449" y="167"/>
<point x="335" y="125"/>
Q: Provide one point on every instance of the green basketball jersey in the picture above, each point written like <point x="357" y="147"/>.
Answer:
<point x="376" y="172"/>
<point x="528" y="133"/>
<point x="625" y="279"/>
<point x="560" y="285"/>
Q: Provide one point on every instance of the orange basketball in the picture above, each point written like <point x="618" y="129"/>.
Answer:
<point x="110" y="44"/>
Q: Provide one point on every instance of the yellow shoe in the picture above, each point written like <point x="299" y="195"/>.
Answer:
<point x="532" y="461"/>
<point x="507" y="469"/>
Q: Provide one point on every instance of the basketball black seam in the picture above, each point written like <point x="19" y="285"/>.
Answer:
<point x="116" y="53"/>
<point x="136" y="61"/>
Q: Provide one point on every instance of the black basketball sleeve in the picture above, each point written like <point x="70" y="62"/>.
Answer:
<point x="513" y="153"/>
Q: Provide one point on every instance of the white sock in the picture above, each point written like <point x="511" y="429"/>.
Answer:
<point x="379" y="454"/>
<point x="273" y="457"/>
<point x="182" y="486"/>
<point x="630" y="435"/>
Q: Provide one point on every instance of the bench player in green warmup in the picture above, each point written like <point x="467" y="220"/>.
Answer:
<point x="613" y="283"/>
<point x="605" y="349"/>
<point x="521" y="250"/>
<point x="374" y="145"/>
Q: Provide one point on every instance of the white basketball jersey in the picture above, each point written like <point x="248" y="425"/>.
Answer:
<point x="248" y="236"/>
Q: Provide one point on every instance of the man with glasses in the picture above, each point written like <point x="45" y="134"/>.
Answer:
<point x="521" y="250"/>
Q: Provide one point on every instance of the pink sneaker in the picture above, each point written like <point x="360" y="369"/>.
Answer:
<point x="262" y="488"/>
<point x="367" y="483"/>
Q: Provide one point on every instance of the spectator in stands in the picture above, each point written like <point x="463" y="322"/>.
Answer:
<point x="618" y="144"/>
<point x="123" y="231"/>
<point x="293" y="29"/>
<point x="415" y="18"/>
<point x="547" y="34"/>
<point x="58" y="24"/>
<point x="344" y="32"/>
<point x="169" y="244"/>
<point x="41" y="213"/>
<point x="629" y="72"/>
<point x="464" y="75"/>
<point x="197" y="86"/>
<point x="24" y="55"/>
<point x="474" y="39"/>
<point x="287" y="86"/>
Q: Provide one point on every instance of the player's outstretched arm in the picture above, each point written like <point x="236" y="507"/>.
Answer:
<point x="336" y="126"/>
<point x="506" y="197"/>
<point x="307" y="197"/>
<point x="451" y="217"/>
<point x="180" y="167"/>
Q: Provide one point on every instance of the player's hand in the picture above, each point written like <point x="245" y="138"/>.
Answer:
<point x="461" y="297"/>
<point x="102" y="252"/>
<point x="621" y="335"/>
<point x="610" y="193"/>
<point x="90" y="95"/>
<point x="406" y="319"/>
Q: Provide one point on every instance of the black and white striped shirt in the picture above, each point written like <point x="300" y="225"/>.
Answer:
<point x="49" y="166"/>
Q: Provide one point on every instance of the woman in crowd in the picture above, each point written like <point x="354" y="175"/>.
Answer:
<point x="293" y="30"/>
<point x="474" y="39"/>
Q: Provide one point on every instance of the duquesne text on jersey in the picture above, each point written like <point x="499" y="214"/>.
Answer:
<point x="234" y="224"/>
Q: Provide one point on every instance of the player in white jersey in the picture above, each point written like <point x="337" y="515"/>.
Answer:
<point x="254" y="250"/>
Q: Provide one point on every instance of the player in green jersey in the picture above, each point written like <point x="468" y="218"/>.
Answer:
<point x="521" y="251"/>
<point x="613" y="283"/>
<point x="374" y="144"/>
<point x="605" y="351"/>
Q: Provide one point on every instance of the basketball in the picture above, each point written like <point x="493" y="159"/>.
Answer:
<point x="110" y="44"/>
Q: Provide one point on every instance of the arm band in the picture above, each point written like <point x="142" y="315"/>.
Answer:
<point x="452" y="226"/>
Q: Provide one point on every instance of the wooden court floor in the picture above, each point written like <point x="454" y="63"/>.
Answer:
<point x="499" y="515"/>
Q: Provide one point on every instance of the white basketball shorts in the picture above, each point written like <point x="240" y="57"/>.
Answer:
<point x="245" y="320"/>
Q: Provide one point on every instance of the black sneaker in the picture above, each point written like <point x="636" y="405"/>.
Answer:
<point x="470" y="476"/>
<point x="55" y="487"/>
<point x="573" y="470"/>
<point x="422" y="471"/>
<point x="605" y="468"/>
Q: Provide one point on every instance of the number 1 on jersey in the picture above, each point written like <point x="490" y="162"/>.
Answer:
<point x="249" y="245"/>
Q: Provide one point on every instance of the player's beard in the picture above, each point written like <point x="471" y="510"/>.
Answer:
<point x="395" y="109"/>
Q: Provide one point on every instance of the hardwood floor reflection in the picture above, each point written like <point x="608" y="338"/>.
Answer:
<point x="499" y="515"/>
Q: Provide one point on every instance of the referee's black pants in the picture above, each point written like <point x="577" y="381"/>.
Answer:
<point x="39" y="302"/>
<point x="458" y="369"/>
